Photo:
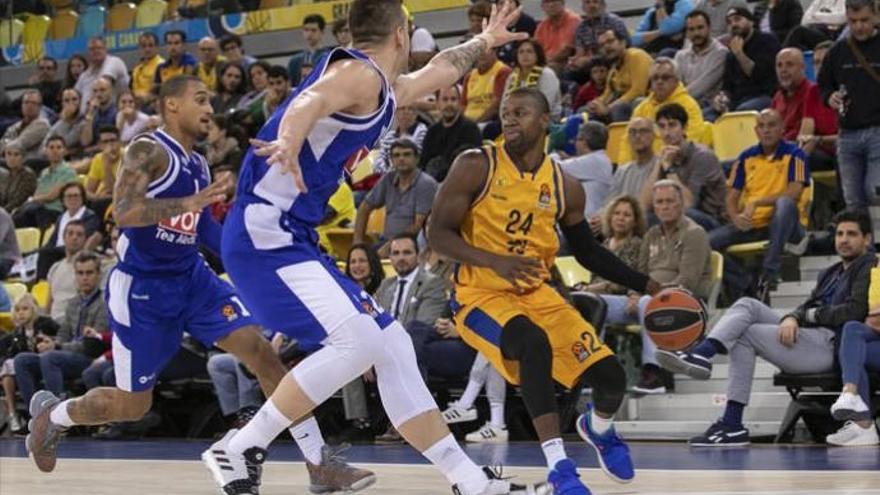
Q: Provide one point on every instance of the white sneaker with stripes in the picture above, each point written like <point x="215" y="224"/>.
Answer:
<point x="488" y="433"/>
<point x="454" y="414"/>
<point x="236" y="474"/>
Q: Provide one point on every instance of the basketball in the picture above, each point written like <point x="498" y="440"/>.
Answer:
<point x="675" y="319"/>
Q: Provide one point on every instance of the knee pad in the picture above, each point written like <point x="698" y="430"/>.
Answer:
<point x="403" y="392"/>
<point x="348" y="352"/>
<point x="525" y="342"/>
<point x="608" y="379"/>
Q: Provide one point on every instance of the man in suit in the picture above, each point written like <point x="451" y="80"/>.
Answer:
<point x="418" y="299"/>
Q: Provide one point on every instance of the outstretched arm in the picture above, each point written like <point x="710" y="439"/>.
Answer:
<point x="144" y="162"/>
<point x="588" y="252"/>
<point x="452" y="64"/>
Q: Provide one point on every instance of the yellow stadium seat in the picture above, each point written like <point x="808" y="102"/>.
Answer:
<point x="616" y="135"/>
<point x="376" y="223"/>
<point x="341" y="265"/>
<point x="47" y="235"/>
<point x="121" y="17"/>
<point x="572" y="272"/>
<point x="273" y="4"/>
<point x="40" y="291"/>
<point x="717" y="269"/>
<point x="63" y="25"/>
<point x="150" y="13"/>
<point x="10" y="32"/>
<point x="36" y="29"/>
<point x="28" y="239"/>
<point x="388" y="269"/>
<point x="5" y="321"/>
<point x="364" y="168"/>
<point x="60" y="4"/>
<point x="733" y="132"/>
<point x="827" y="177"/>
<point x="171" y="10"/>
<point x="340" y="239"/>
<point x="15" y="290"/>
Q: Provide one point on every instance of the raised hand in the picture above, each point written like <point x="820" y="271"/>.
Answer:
<point x="496" y="25"/>
<point x="281" y="156"/>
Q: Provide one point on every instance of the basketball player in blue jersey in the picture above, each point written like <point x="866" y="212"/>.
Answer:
<point x="162" y="287"/>
<point x="270" y="247"/>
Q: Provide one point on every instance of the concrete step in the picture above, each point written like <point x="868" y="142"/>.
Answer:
<point x="763" y="406"/>
<point x="810" y="266"/>
<point x="682" y="430"/>
<point x="794" y="288"/>
<point x="683" y="385"/>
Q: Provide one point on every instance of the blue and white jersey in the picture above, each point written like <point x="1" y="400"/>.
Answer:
<point x="171" y="246"/>
<point x="323" y="156"/>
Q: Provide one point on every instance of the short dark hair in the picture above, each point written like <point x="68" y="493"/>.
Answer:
<point x="338" y="25"/>
<point x="406" y="235"/>
<point x="536" y="96"/>
<point x="261" y="64"/>
<point x="699" y="13"/>
<point x="406" y="143"/>
<point x="47" y="58"/>
<point x="108" y="128"/>
<point x="480" y="8"/>
<point x="276" y="71"/>
<point x="175" y="32"/>
<point x="56" y="137"/>
<point x="86" y="257"/>
<point x="372" y="21"/>
<point x="860" y="4"/>
<point x="149" y="34"/>
<point x="672" y="111"/>
<point x="230" y="39"/>
<point x="315" y="19"/>
<point x="617" y="35"/>
<point x="855" y="216"/>
<point x="175" y="86"/>
<point x="539" y="50"/>
<point x="595" y="134"/>
<point x="74" y="223"/>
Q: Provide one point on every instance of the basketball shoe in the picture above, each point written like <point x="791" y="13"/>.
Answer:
<point x="566" y="480"/>
<point x="686" y="363"/>
<point x="721" y="435"/>
<point x="237" y="474"/>
<point x="42" y="441"/>
<point x="613" y="453"/>
<point x="488" y="433"/>
<point x="454" y="414"/>
<point x="501" y="486"/>
<point x="335" y="475"/>
<point x="849" y="406"/>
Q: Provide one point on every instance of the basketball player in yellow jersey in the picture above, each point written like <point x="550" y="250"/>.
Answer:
<point x="496" y="215"/>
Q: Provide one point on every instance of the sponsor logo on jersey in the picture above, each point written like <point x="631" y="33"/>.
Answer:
<point x="580" y="351"/>
<point x="229" y="313"/>
<point x="179" y="229"/>
<point x="544" y="196"/>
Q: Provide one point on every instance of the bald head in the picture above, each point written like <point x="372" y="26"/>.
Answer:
<point x="208" y="50"/>
<point x="641" y="135"/>
<point x="790" y="69"/>
<point x="102" y="90"/>
<point x="769" y="129"/>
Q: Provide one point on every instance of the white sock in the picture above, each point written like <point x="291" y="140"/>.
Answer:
<point x="554" y="451"/>
<point x="261" y="430"/>
<point x="600" y="424"/>
<point x="458" y="468"/>
<point x="466" y="401"/>
<point x="497" y="414"/>
<point x="59" y="415"/>
<point x="309" y="439"/>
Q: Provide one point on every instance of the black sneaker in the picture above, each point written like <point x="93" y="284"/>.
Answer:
<point x="652" y="382"/>
<point x="721" y="435"/>
<point x="686" y="363"/>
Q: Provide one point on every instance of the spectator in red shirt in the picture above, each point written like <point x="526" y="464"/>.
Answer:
<point x="592" y="89"/>
<point x="556" y="33"/>
<point x="806" y="118"/>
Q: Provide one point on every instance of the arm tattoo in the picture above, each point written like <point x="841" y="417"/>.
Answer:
<point x="143" y="162"/>
<point x="463" y="57"/>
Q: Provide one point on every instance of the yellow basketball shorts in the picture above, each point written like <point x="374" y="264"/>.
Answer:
<point x="481" y="314"/>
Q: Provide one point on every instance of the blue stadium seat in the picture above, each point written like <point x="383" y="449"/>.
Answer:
<point x="91" y="22"/>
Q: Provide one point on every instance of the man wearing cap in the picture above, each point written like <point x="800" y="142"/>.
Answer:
<point x="749" y="70"/>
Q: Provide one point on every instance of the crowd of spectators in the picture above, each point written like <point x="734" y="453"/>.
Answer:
<point x="663" y="205"/>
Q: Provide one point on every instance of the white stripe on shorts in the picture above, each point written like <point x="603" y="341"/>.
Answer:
<point x="119" y="287"/>
<point x="318" y="291"/>
<point x="121" y="364"/>
<point x="263" y="226"/>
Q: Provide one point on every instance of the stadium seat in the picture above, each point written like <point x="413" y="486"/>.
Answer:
<point x="60" y="4"/>
<point x="5" y="321"/>
<point x="273" y="4"/>
<point x="121" y="16"/>
<point x="388" y="269"/>
<point x="733" y="132"/>
<point x="716" y="261"/>
<point x="36" y="29"/>
<point x="40" y="291"/>
<point x="364" y="168"/>
<point x="616" y="135"/>
<point x="47" y="235"/>
<point x="571" y="271"/>
<point x="150" y="13"/>
<point x="10" y="32"/>
<point x="827" y="177"/>
<point x="28" y="239"/>
<point x="91" y="22"/>
<point x="15" y="290"/>
<point x="64" y="25"/>
<point x="376" y="223"/>
<point x="340" y="239"/>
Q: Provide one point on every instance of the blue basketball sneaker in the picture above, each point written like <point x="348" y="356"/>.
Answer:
<point x="566" y="480"/>
<point x="613" y="453"/>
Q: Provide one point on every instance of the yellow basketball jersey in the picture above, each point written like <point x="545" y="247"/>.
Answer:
<point x="514" y="214"/>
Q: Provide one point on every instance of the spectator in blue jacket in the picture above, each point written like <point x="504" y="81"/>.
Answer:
<point x="661" y="30"/>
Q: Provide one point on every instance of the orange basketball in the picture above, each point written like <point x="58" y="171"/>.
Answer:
<point x="675" y="319"/>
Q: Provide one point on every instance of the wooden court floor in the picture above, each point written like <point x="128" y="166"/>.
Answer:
<point x="18" y="476"/>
